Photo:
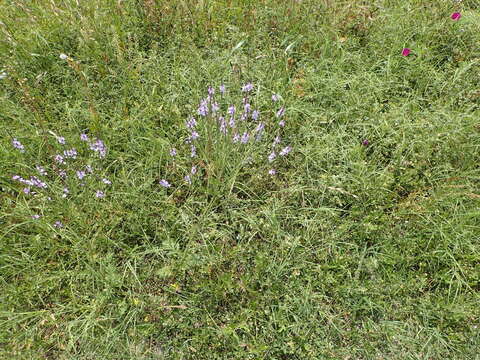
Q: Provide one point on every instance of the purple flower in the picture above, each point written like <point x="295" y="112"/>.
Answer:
<point x="272" y="156"/>
<point x="247" y="87"/>
<point x="72" y="153"/>
<point x="26" y="190"/>
<point x="35" y="217"/>
<point x="222" y="89"/>
<point x="83" y="137"/>
<point x="202" y="110"/>
<point x="106" y="181"/>
<point x="63" y="174"/>
<point x="281" y="123"/>
<point x="280" y="112"/>
<point x="65" y="192"/>
<point x="236" y="137"/>
<point x="58" y="224"/>
<point x="276" y="140"/>
<point x="211" y="90"/>
<point x="231" y="123"/>
<point x="194" y="135"/>
<point x="285" y="150"/>
<point x="81" y="174"/>
<point x="17" y="178"/>
<point x="41" y="170"/>
<point x="193" y="170"/>
<point x="173" y="152"/>
<point x="223" y="125"/>
<point x="406" y="52"/>
<point x="272" y="172"/>
<point x="59" y="159"/>
<point x="61" y="140"/>
<point x="18" y="145"/>
<point x="274" y="97"/>
<point x="215" y="107"/>
<point x="365" y="142"/>
<point x="35" y="181"/>
<point x="99" y="147"/>
<point x="259" y="131"/>
<point x="245" y="138"/>
<point x="191" y="123"/>
<point x="193" y="151"/>
<point x="231" y="109"/>
<point x="164" y="183"/>
<point x="99" y="194"/>
<point x="255" y="115"/>
<point x="247" y="107"/>
<point x="188" y="179"/>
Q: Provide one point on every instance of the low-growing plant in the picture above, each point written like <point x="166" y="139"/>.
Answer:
<point x="231" y="134"/>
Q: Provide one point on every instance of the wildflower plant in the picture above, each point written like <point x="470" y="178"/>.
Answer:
<point x="74" y="169"/>
<point x="231" y="134"/>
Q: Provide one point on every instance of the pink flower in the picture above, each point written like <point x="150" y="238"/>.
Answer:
<point x="456" y="16"/>
<point x="405" y="52"/>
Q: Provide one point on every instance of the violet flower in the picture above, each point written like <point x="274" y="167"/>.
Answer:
<point x="280" y="112"/>
<point x="285" y="151"/>
<point x="81" y="174"/>
<point x="164" y="183"/>
<point x="245" y="138"/>
<point x="18" y="145"/>
<point x="247" y="87"/>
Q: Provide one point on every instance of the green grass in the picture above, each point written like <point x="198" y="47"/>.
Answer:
<point x="350" y="252"/>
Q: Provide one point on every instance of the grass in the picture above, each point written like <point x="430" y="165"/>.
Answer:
<point x="349" y="252"/>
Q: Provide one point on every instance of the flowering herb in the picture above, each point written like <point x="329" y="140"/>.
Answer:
<point x="99" y="194"/>
<point x="406" y="52"/>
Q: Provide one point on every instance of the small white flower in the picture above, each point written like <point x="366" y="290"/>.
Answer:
<point x="3" y="75"/>
<point x="63" y="56"/>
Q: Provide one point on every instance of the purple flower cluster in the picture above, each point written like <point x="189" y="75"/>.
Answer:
<point x="99" y="147"/>
<point x="237" y="125"/>
<point x="64" y="162"/>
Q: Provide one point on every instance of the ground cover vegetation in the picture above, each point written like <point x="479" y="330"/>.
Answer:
<point x="239" y="179"/>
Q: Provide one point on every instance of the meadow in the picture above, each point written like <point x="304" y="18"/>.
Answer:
<point x="239" y="179"/>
